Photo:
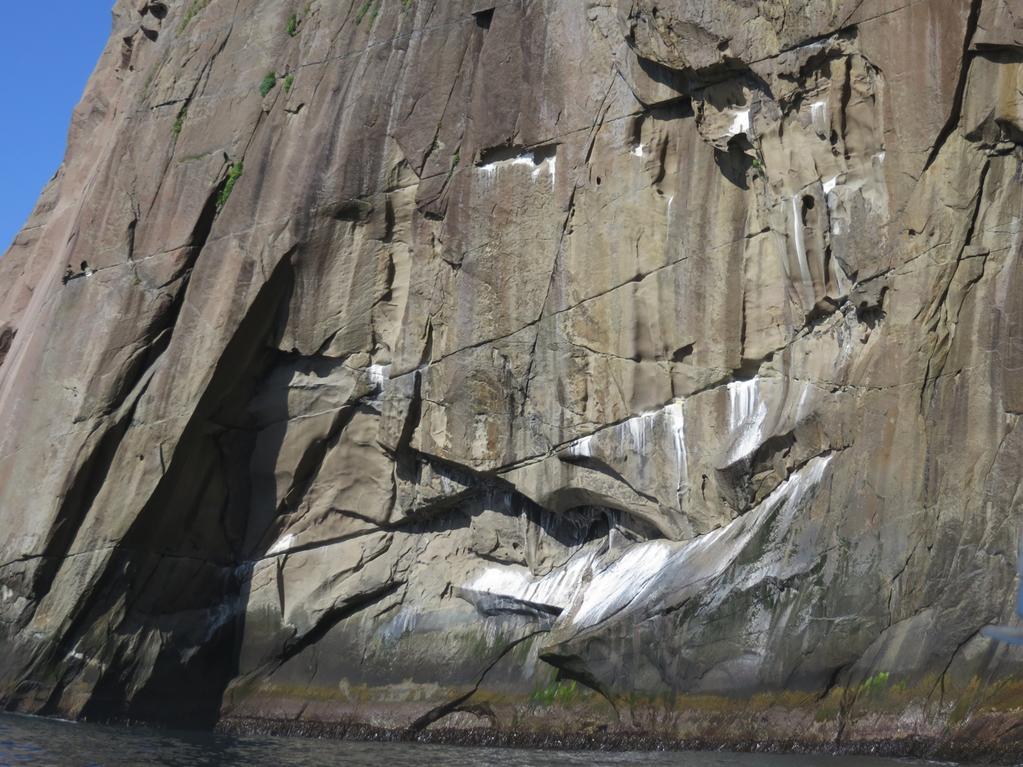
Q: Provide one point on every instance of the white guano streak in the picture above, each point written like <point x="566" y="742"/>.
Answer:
<point x="747" y="412"/>
<point x="556" y="589"/>
<point x="612" y="588"/>
<point x="588" y="591"/>
<point x="491" y="169"/>
<point x="740" y="123"/>
<point x="282" y="544"/>
<point x="819" y="117"/>
<point x="378" y="374"/>
<point x="797" y="230"/>
<point x="639" y="432"/>
<point x="582" y="447"/>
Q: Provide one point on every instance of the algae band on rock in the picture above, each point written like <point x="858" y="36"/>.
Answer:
<point x="626" y="371"/>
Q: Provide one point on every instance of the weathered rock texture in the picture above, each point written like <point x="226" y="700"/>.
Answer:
<point x="650" y="366"/>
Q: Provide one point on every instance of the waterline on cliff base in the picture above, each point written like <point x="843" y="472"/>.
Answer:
<point x="35" y="741"/>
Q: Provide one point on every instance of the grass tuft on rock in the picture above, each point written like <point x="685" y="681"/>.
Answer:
<point x="193" y="10"/>
<point x="179" y="123"/>
<point x="233" y="174"/>
<point x="372" y="7"/>
<point x="268" y="84"/>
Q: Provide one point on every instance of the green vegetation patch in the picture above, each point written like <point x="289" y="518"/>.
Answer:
<point x="179" y="123"/>
<point x="268" y="83"/>
<point x="370" y="7"/>
<point x="877" y="682"/>
<point x="558" y="692"/>
<point x="233" y="174"/>
<point x="193" y="10"/>
<point x="288" y="82"/>
<point x="292" y="28"/>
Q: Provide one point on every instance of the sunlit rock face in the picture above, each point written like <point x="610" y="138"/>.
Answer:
<point x="606" y="368"/>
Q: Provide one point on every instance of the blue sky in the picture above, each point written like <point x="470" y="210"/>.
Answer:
<point x="47" y="52"/>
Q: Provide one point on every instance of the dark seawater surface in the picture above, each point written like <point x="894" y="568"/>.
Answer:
<point x="53" y="743"/>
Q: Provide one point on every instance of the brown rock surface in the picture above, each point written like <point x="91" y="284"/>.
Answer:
<point x="620" y="366"/>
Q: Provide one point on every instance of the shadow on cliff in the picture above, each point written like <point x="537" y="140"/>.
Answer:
<point x="173" y="596"/>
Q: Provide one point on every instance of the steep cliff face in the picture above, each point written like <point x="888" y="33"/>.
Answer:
<point x="538" y="366"/>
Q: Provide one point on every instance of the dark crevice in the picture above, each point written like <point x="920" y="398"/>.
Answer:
<point x="6" y="341"/>
<point x="484" y="18"/>
<point x="389" y="225"/>
<point x="846" y="98"/>
<point x="127" y="49"/>
<point x="682" y="353"/>
<point x="130" y="237"/>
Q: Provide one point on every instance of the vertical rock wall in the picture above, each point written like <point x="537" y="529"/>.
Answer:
<point x="625" y="368"/>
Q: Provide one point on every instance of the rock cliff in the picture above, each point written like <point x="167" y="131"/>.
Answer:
<point x="611" y="368"/>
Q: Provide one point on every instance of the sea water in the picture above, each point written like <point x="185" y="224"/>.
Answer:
<point x="54" y="743"/>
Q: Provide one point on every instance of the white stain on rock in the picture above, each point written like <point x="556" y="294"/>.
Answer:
<point x="747" y="413"/>
<point x="555" y="590"/>
<point x="797" y="235"/>
<point x="378" y="374"/>
<point x="653" y="430"/>
<point x="590" y="589"/>
<point x="642" y="430"/>
<point x="405" y="622"/>
<point x="527" y="160"/>
<point x="582" y="448"/>
<point x="740" y="123"/>
<point x="612" y="588"/>
<point x="585" y="590"/>
<point x="282" y="544"/>
<point x="819" y="118"/>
